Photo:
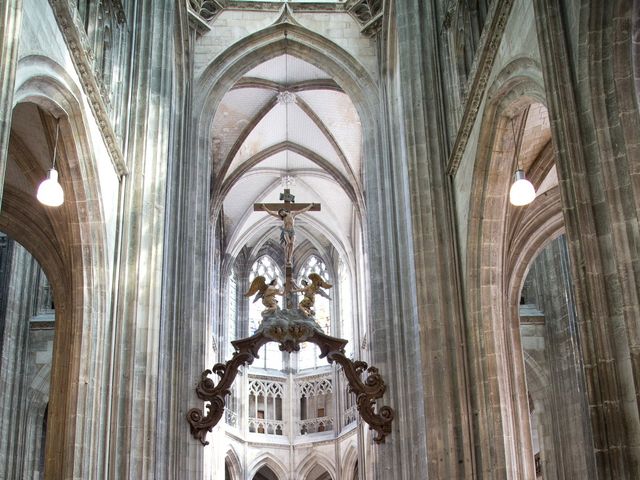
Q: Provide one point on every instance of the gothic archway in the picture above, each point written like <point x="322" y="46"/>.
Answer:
<point x="70" y="244"/>
<point x="232" y="465"/>
<point x="316" y="467"/>
<point x="269" y="467"/>
<point x="490" y="229"/>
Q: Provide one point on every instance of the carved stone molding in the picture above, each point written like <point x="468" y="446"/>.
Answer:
<point x="479" y="76"/>
<point x="82" y="57"/>
<point x="368" y="13"/>
<point x="276" y="6"/>
<point x="119" y="8"/>
<point x="201" y="12"/>
<point x="206" y="9"/>
<point x="290" y="328"/>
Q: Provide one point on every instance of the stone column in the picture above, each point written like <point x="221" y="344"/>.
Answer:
<point x="188" y="300"/>
<point x="10" y="19"/>
<point x="568" y="419"/>
<point x="22" y="277"/>
<point x="243" y="266"/>
<point x="6" y="255"/>
<point x="588" y="71"/>
<point x="416" y="304"/>
<point x="140" y="417"/>
<point x="438" y="297"/>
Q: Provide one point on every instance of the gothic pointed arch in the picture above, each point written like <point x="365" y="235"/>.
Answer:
<point x="313" y="464"/>
<point x="35" y="434"/>
<point x="224" y="71"/>
<point x="266" y="266"/>
<point x="70" y="245"/>
<point x="233" y="464"/>
<point x="227" y="68"/>
<point x="260" y="234"/>
<point x="311" y="260"/>
<point x="489" y="227"/>
<point x="269" y="461"/>
<point x="540" y="408"/>
<point x="267" y="249"/>
<point x="544" y="223"/>
<point x="349" y="186"/>
<point x="350" y="460"/>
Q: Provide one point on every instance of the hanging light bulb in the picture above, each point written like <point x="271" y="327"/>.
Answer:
<point x="522" y="191"/>
<point x="50" y="192"/>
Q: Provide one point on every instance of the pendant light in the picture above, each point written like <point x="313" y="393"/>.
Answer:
<point x="521" y="192"/>
<point x="50" y="192"/>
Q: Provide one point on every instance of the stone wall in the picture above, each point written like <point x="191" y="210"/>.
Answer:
<point x="232" y="25"/>
<point x="43" y="56"/>
<point x="515" y="54"/>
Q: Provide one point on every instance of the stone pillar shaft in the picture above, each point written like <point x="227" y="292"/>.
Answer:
<point x="189" y="298"/>
<point x="569" y="420"/>
<point x="135" y="416"/>
<point x="10" y="19"/>
<point x="420" y="332"/>
<point x="587" y="70"/>
<point x="14" y="363"/>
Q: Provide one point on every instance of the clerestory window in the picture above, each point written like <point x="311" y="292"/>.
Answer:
<point x="270" y="355"/>
<point x="308" y="357"/>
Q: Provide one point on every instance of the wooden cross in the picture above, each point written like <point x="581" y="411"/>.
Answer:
<point x="287" y="238"/>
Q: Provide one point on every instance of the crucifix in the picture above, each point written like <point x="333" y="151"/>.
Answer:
<point x="287" y="212"/>
<point x="289" y="328"/>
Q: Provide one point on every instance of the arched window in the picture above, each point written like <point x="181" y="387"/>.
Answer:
<point x="270" y="355"/>
<point x="309" y="353"/>
<point x="316" y="406"/>
<point x="265" y="406"/>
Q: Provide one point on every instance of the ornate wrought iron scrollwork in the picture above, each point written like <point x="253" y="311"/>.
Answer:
<point x="216" y="394"/>
<point x="367" y="393"/>
<point x="289" y="329"/>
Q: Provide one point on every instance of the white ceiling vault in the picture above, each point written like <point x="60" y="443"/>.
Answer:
<point x="314" y="137"/>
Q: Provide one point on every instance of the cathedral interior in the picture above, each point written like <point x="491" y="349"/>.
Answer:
<point x="505" y="322"/>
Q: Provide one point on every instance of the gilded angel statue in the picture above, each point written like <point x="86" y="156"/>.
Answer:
<point x="266" y="292"/>
<point x="309" y="292"/>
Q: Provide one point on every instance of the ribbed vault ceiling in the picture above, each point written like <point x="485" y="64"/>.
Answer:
<point x="259" y="139"/>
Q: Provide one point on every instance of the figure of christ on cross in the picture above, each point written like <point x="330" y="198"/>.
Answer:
<point x="287" y="212"/>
